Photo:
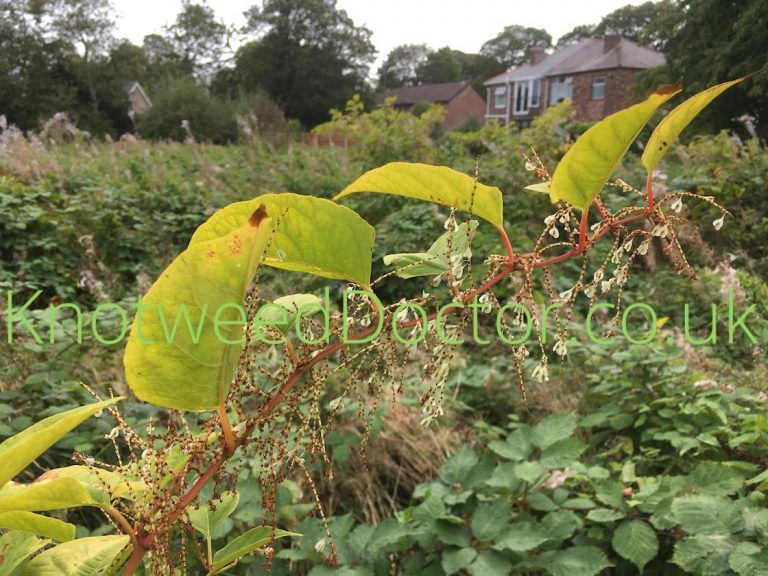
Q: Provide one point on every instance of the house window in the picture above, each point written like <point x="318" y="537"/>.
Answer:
<point x="598" y="88"/>
<point x="522" y="94"/>
<point x="560" y="89"/>
<point x="535" y="92"/>
<point x="501" y="97"/>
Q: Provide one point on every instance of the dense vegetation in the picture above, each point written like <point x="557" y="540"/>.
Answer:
<point x="626" y="457"/>
<point x="308" y="56"/>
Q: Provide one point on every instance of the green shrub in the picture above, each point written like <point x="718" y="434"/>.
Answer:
<point x="183" y="108"/>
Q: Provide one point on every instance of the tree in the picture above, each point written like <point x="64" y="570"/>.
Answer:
<point x="702" y="51"/>
<point x="163" y="62"/>
<point x="197" y="38"/>
<point x="579" y="33"/>
<point x="401" y="66"/>
<point x="36" y="78"/>
<point x="477" y="68"/>
<point x="642" y="23"/>
<point x="440" y="66"/>
<point x="509" y="46"/>
<point x="309" y="57"/>
<point x="86" y="24"/>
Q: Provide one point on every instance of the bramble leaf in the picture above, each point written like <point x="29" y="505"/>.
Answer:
<point x="590" y="162"/>
<point x="675" y="122"/>
<point x="187" y="336"/>
<point x="578" y="561"/>
<point x="312" y="235"/>
<point x="637" y="542"/>
<point x="437" y="184"/>
<point x="20" y="450"/>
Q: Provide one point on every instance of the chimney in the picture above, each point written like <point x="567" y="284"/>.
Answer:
<point x="535" y="54"/>
<point x="610" y="42"/>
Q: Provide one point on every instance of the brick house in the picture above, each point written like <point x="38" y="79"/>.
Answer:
<point x="462" y="103"/>
<point x="138" y="101"/>
<point x="595" y="74"/>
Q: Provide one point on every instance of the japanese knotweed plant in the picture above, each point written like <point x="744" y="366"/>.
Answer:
<point x="204" y="341"/>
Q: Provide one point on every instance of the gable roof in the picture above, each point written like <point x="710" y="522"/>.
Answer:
<point x="438" y="93"/>
<point x="130" y="87"/>
<point x="585" y="56"/>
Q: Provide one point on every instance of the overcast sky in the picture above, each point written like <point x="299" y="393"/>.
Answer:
<point x="461" y="24"/>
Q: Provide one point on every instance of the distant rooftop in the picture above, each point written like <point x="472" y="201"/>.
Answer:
<point x="586" y="55"/>
<point x="438" y="93"/>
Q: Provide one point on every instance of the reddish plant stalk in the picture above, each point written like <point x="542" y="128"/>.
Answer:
<point x="142" y="541"/>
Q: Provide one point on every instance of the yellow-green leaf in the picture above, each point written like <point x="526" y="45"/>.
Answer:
<point x="542" y="187"/>
<point x="437" y="184"/>
<point x="99" y="481"/>
<point x="93" y="556"/>
<point x="15" y="550"/>
<point x="245" y="544"/>
<point x="48" y="494"/>
<point x="37" y="524"/>
<point x="675" y="122"/>
<point x="201" y="295"/>
<point x="439" y="258"/>
<point x="311" y="235"/>
<point x="20" y="450"/>
<point x="590" y="162"/>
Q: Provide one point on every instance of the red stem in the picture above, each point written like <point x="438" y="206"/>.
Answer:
<point x="143" y="540"/>
<point x="649" y="193"/>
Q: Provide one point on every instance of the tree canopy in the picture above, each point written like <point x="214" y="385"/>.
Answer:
<point x="309" y="56"/>
<point x="510" y="45"/>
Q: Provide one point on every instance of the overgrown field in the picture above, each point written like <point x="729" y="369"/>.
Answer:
<point x="629" y="457"/>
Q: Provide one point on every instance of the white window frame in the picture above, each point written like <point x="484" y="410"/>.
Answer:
<point x="598" y="81"/>
<point x="520" y="105"/>
<point x="500" y="97"/>
<point x="559" y="81"/>
<point x="534" y="100"/>
<point x="530" y="99"/>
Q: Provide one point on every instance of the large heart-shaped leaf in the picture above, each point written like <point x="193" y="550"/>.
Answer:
<point x="37" y="524"/>
<point x="15" y="550"/>
<point x="311" y="235"/>
<point x="20" y="450"/>
<point x="187" y="337"/>
<point x="246" y="544"/>
<point x="437" y="184"/>
<point x="93" y="556"/>
<point x="50" y="494"/>
<point x="590" y="162"/>
<point x="675" y="122"/>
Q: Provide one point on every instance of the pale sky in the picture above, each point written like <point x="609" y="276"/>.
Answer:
<point x="461" y="24"/>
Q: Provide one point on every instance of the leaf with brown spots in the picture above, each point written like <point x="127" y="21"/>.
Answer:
<point x="311" y="235"/>
<point x="185" y="344"/>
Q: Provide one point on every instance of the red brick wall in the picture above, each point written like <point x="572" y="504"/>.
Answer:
<point x="493" y="109"/>
<point x="618" y="83"/>
<point x="465" y="106"/>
